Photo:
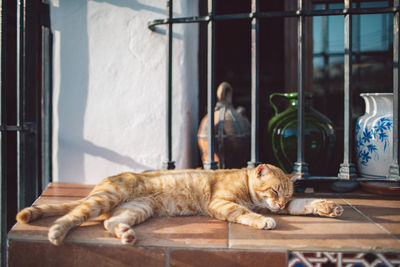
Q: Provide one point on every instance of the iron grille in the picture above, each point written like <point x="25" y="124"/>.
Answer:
<point x="346" y="170"/>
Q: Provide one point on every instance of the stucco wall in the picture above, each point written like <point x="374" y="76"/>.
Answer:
<point x="109" y="78"/>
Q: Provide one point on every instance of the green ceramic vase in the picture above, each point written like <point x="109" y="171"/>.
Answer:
<point x="319" y="136"/>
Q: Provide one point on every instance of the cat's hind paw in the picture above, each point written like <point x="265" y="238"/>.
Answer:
<point x="327" y="208"/>
<point x="128" y="238"/>
<point x="56" y="235"/>
<point x="125" y="233"/>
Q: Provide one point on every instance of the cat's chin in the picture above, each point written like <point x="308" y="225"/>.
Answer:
<point x="272" y="208"/>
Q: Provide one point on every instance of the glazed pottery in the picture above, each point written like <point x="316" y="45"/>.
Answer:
<point x="319" y="136"/>
<point x="374" y="135"/>
<point x="231" y="129"/>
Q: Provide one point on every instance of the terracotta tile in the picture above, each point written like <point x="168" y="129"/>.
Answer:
<point x="191" y="231"/>
<point x="350" y="232"/>
<point x="36" y="230"/>
<point x="44" y="254"/>
<point x="89" y="232"/>
<point x="193" y="258"/>
<point x="41" y="200"/>
<point x="333" y="196"/>
<point x="69" y="185"/>
<point x="67" y="190"/>
<point x="383" y="212"/>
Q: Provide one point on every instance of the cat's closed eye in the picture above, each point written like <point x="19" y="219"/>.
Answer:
<point x="264" y="194"/>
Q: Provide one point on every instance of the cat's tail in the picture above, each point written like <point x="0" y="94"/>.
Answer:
<point x="35" y="212"/>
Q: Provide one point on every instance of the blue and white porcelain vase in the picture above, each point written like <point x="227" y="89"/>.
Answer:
<point x="374" y="135"/>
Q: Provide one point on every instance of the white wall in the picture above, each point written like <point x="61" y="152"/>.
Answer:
<point x="109" y="79"/>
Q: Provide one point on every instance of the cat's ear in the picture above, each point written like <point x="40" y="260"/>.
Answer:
<point x="295" y="176"/>
<point x="261" y="170"/>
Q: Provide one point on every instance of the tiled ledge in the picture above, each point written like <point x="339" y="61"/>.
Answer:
<point x="370" y="224"/>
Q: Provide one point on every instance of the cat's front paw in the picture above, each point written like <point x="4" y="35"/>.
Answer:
<point x="267" y="223"/>
<point x="327" y="208"/>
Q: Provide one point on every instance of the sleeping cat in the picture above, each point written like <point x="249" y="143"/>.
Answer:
<point x="128" y="199"/>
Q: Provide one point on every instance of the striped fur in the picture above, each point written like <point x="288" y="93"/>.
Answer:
<point x="128" y="199"/>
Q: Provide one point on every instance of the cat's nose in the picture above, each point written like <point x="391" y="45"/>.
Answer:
<point x="281" y="205"/>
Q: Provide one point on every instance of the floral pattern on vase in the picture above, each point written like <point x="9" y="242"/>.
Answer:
<point x="374" y="135"/>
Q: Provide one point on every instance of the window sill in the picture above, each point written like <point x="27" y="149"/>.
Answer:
<point x="369" y="224"/>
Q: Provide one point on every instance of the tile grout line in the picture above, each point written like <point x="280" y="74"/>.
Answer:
<point x="372" y="221"/>
<point x="229" y="236"/>
<point x="167" y="252"/>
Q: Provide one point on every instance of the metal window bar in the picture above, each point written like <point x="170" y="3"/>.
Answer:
<point x="168" y="163"/>
<point x="33" y="100"/>
<point x="46" y="107"/>
<point x="300" y="166"/>
<point x="394" y="167"/>
<point x="347" y="169"/>
<point x="255" y="81"/>
<point x="210" y="164"/>
<point x="3" y="141"/>
<point x="27" y="175"/>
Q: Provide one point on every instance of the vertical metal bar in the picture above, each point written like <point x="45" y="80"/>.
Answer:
<point x="325" y="49"/>
<point x="46" y="107"/>
<point x="325" y="26"/>
<point x="210" y="164"/>
<point x="28" y="103"/>
<point x="300" y="166"/>
<point x="356" y="33"/>
<point x="347" y="169"/>
<point x="356" y="42"/>
<point x="394" y="167"/>
<point x="168" y="163"/>
<point x="255" y="81"/>
<point x="20" y="83"/>
<point x="3" y="158"/>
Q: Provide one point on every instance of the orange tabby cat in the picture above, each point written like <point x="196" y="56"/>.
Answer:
<point x="130" y="198"/>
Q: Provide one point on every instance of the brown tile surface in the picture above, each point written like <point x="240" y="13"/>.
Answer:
<point x="192" y="231"/>
<point x="44" y="254"/>
<point x="61" y="190"/>
<point x="350" y="232"/>
<point x="383" y="212"/>
<point x="369" y="223"/>
<point x="89" y="232"/>
<point x="196" y="231"/>
<point x="200" y="258"/>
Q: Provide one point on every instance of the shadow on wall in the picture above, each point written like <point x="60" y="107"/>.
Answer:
<point x="134" y="4"/>
<point x="73" y="84"/>
<point x="137" y="6"/>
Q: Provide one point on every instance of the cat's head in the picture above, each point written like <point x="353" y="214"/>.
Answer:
<point x="270" y="187"/>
